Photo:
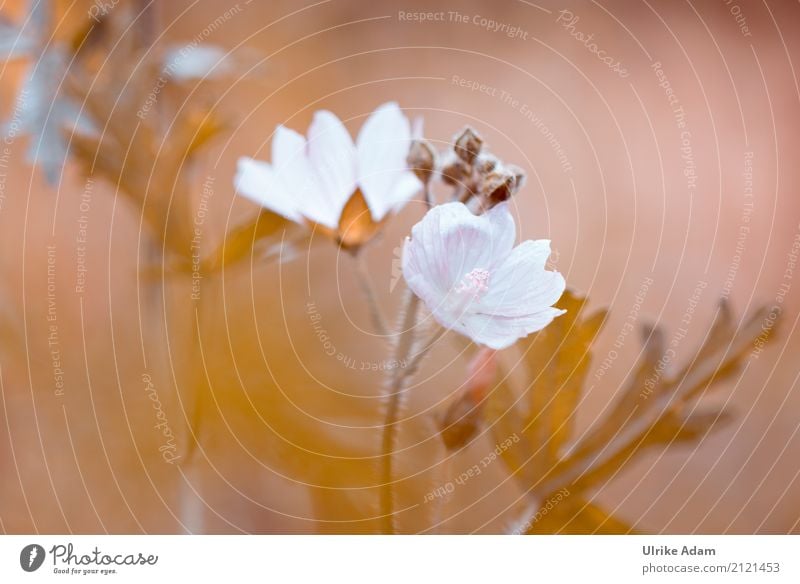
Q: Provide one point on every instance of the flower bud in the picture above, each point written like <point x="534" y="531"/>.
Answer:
<point x="454" y="172"/>
<point x="468" y="145"/>
<point x="460" y="423"/>
<point x="421" y="159"/>
<point x="463" y="417"/>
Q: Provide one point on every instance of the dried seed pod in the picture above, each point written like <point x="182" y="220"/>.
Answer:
<point x="498" y="186"/>
<point x="486" y="163"/>
<point x="422" y="159"/>
<point x="454" y="171"/>
<point x="468" y="145"/>
<point x="519" y="176"/>
<point x="460" y="423"/>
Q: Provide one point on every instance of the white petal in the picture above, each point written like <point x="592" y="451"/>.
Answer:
<point x="333" y="156"/>
<point x="258" y="182"/>
<point x="499" y="332"/>
<point x="416" y="272"/>
<point x="287" y="147"/>
<point x="520" y="285"/>
<point x="383" y="144"/>
<point x="296" y="172"/>
<point x="438" y="262"/>
<point x="479" y="242"/>
<point x="504" y="230"/>
<point x="425" y="262"/>
<point x="448" y="243"/>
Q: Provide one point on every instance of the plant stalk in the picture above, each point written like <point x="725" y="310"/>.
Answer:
<point x="378" y="321"/>
<point x="405" y="344"/>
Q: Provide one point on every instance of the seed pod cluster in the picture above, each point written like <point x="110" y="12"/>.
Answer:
<point x="475" y="173"/>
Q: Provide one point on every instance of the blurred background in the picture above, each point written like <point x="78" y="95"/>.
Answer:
<point x="659" y="142"/>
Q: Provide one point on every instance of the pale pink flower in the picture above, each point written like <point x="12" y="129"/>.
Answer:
<point x="313" y="178"/>
<point x="468" y="273"/>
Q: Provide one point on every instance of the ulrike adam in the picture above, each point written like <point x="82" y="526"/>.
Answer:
<point x="662" y="550"/>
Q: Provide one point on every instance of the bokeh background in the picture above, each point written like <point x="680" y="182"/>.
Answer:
<point x="287" y="435"/>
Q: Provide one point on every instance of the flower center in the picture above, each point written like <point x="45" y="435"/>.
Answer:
<point x="474" y="285"/>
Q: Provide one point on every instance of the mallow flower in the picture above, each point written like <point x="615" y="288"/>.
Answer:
<point x="327" y="180"/>
<point x="466" y="270"/>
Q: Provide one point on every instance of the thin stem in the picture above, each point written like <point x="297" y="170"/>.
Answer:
<point x="458" y="192"/>
<point x="417" y="359"/>
<point x="403" y="353"/>
<point x="405" y="343"/>
<point x="146" y="19"/>
<point x="378" y="320"/>
<point x="426" y="192"/>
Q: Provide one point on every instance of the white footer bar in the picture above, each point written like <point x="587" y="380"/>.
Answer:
<point x="401" y="559"/>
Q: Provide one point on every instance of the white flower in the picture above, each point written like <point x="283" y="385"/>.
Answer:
<point x="313" y="178"/>
<point x="468" y="273"/>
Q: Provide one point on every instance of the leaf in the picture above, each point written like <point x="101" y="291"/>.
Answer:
<point x="141" y="161"/>
<point x="671" y="429"/>
<point x="240" y="241"/>
<point x="575" y="516"/>
<point x="655" y="409"/>
<point x="336" y="464"/>
<point x="556" y="360"/>
<point x="666" y="417"/>
<point x="643" y="383"/>
<point x="723" y="352"/>
<point x="692" y="427"/>
<point x="505" y="418"/>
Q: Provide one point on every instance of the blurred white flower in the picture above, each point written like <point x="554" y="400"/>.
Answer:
<point x="197" y="62"/>
<point x="313" y="178"/>
<point x="468" y="273"/>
